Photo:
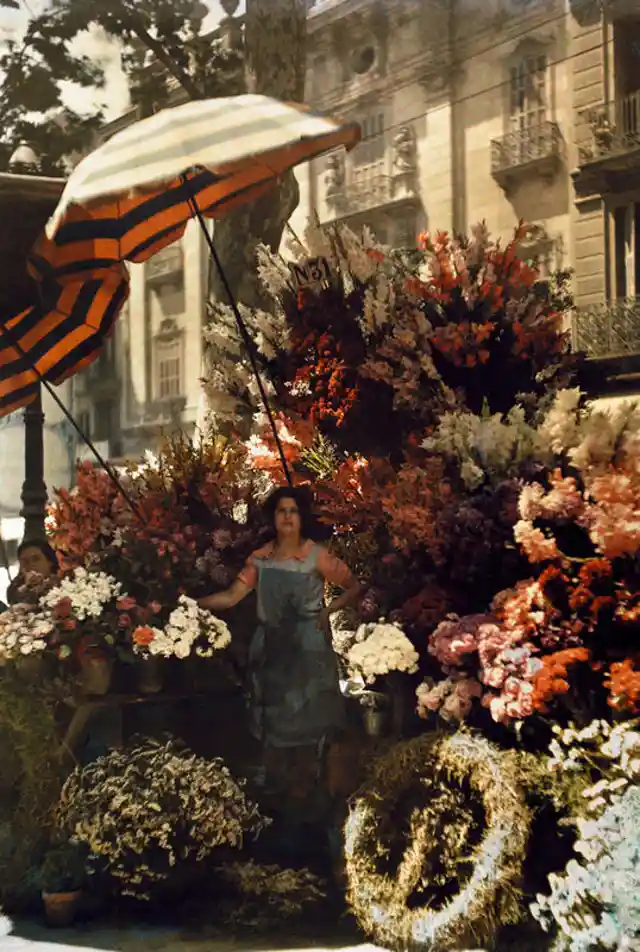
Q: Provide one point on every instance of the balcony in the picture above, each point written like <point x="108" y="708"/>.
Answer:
<point x="166" y="267"/>
<point x="608" y="330"/>
<point x="101" y="378"/>
<point x="608" y="140"/>
<point x="609" y="336"/>
<point x="377" y="194"/>
<point x="519" y="155"/>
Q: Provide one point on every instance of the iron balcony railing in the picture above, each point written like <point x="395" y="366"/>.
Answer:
<point x="611" y="129"/>
<point x="608" y="330"/>
<point x="538" y="142"/>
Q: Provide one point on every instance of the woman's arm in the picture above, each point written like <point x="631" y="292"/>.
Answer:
<point x="346" y="598"/>
<point x="227" y="599"/>
<point x="339" y="575"/>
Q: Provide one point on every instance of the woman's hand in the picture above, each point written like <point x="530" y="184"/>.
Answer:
<point x="324" y="625"/>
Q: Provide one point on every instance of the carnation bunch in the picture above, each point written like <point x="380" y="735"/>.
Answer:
<point x="379" y="649"/>
<point x="85" y="593"/>
<point x="481" y="658"/>
<point x="189" y="629"/>
<point x="23" y="631"/>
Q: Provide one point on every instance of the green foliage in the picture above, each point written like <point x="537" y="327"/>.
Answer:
<point x="187" y="64"/>
<point x="31" y="777"/>
<point x="64" y="868"/>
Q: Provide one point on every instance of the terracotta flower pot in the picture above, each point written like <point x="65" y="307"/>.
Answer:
<point x="150" y="676"/>
<point x="96" y="673"/>
<point x="61" y="908"/>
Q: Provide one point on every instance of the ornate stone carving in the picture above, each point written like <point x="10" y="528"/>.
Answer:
<point x="334" y="180"/>
<point x="404" y="162"/>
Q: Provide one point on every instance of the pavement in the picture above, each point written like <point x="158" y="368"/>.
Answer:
<point x="32" y="937"/>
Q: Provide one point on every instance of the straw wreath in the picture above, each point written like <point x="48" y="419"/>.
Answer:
<point x="469" y="782"/>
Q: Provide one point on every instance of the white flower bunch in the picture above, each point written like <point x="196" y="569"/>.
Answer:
<point x="189" y="629"/>
<point x="595" y="903"/>
<point x="591" y="438"/>
<point x="487" y="446"/>
<point x="88" y="593"/>
<point x="23" y="631"/>
<point x="380" y="648"/>
<point x="614" y="752"/>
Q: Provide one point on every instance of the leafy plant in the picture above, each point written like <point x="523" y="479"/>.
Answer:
<point x="32" y="777"/>
<point x="150" y="810"/>
<point x="64" y="868"/>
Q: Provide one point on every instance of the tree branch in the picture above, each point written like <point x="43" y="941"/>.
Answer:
<point x="134" y="23"/>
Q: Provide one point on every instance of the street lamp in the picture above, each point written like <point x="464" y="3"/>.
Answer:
<point x="27" y="200"/>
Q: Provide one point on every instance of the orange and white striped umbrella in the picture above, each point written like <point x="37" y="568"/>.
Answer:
<point x="134" y="196"/>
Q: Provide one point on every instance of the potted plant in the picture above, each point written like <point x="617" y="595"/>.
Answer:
<point x="62" y="878"/>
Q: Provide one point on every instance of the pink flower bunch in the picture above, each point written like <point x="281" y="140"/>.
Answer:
<point x="608" y="508"/>
<point x="614" y="515"/>
<point x="83" y="520"/>
<point x="452" y="698"/>
<point x="455" y="639"/>
<point x="491" y="659"/>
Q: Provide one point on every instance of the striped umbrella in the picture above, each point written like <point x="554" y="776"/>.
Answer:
<point x="135" y="194"/>
<point x="81" y="314"/>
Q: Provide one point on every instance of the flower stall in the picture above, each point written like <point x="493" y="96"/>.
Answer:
<point x="431" y="401"/>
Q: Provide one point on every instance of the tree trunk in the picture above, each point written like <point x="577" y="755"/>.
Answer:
<point x="275" y="57"/>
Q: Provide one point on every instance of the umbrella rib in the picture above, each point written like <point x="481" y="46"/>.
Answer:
<point x="242" y="327"/>
<point x="15" y="343"/>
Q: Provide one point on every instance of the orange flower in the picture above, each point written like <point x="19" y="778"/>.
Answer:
<point x="623" y="684"/>
<point x="551" y="680"/>
<point x="143" y="636"/>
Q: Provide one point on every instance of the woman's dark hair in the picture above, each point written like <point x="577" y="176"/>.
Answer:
<point x="43" y="547"/>
<point x="310" y="528"/>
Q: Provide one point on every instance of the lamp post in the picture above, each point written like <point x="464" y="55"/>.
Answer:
<point x="27" y="199"/>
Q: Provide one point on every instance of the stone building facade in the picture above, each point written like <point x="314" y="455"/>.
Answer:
<point x="605" y="44"/>
<point x="502" y="110"/>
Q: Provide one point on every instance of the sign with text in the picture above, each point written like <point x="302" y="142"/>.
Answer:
<point x="310" y="275"/>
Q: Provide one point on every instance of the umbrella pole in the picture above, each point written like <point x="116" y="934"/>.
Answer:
<point x="13" y="342"/>
<point x="242" y="327"/>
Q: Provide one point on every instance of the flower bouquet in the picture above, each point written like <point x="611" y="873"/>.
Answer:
<point x="193" y="529"/>
<point x="189" y="630"/>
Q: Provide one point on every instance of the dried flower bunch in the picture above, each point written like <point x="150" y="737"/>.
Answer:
<point x="269" y="894"/>
<point x="149" y="809"/>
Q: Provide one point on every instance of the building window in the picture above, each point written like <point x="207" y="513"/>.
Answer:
<point x="169" y="368"/>
<point x="371" y="149"/>
<point x="528" y="92"/>
<point x="83" y="420"/>
<point x="626" y="276"/>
